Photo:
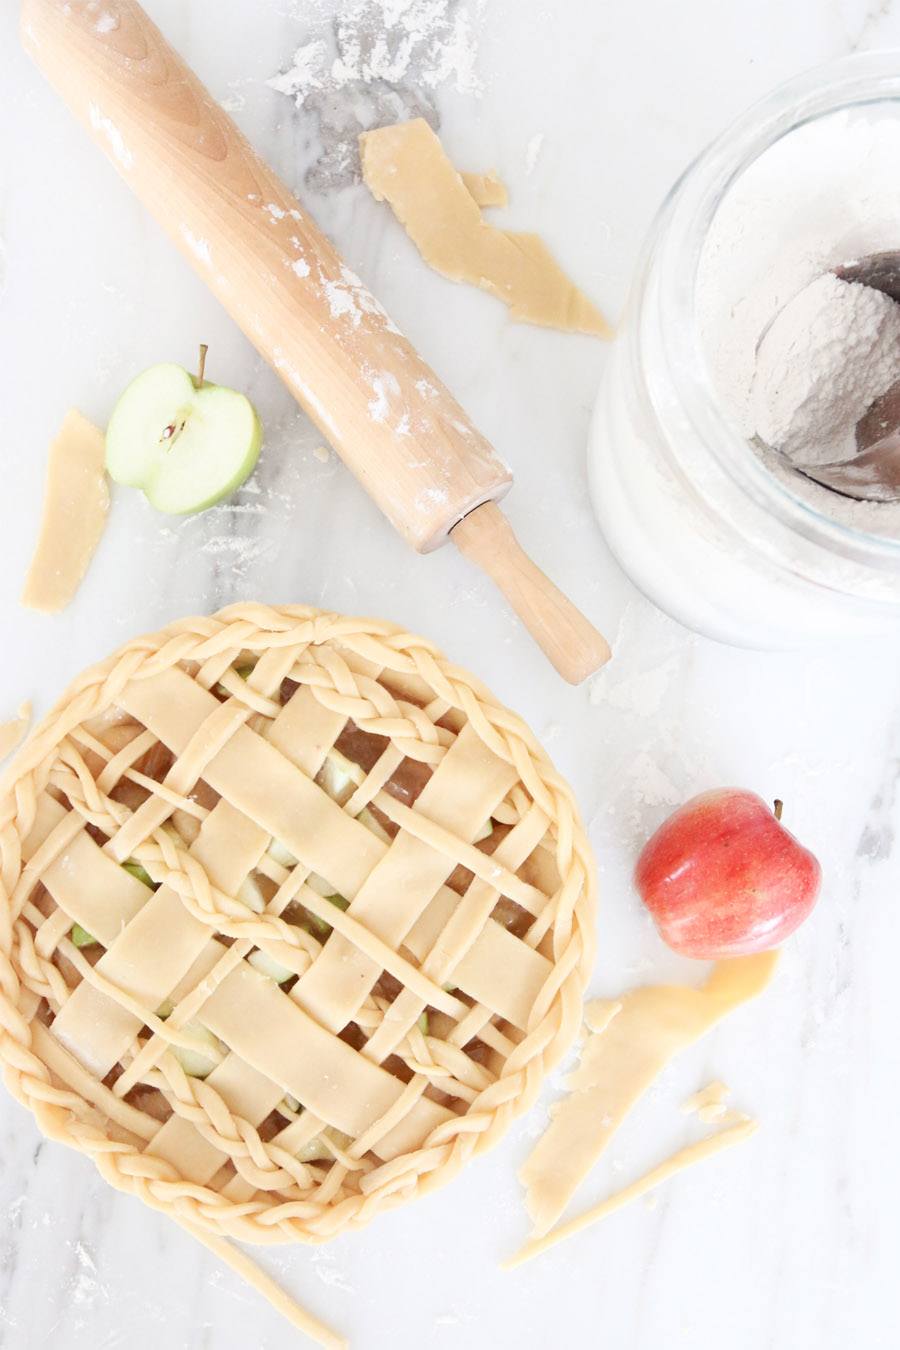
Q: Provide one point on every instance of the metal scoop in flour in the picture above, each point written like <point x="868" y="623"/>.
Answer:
<point x="873" y="473"/>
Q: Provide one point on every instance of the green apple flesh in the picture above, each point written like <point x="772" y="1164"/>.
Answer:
<point x="187" y="445"/>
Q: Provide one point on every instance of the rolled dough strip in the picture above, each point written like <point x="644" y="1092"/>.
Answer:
<point x="685" y="1157"/>
<point x="405" y="165"/>
<point x="486" y="189"/>
<point x="619" y="1062"/>
<point x="274" y="1295"/>
<point x="76" y="500"/>
<point x="12" y="732"/>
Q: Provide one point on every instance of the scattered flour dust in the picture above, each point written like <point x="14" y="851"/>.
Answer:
<point x="198" y="245"/>
<point x="652" y="651"/>
<point x="84" y="1287"/>
<point x="325" y="1266"/>
<point x="533" y="152"/>
<point x="377" y="62"/>
<point x="100" y="122"/>
<point x="641" y="694"/>
<point x="238" y="550"/>
<point x="453" y="1318"/>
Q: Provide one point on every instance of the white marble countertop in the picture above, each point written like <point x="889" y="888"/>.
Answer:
<point x="589" y="111"/>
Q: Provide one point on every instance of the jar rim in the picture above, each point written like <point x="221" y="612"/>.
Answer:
<point x="686" y="216"/>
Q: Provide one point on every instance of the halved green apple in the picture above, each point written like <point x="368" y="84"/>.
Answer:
<point x="186" y="443"/>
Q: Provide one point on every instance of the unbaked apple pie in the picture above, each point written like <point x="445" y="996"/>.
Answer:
<point x="293" y="919"/>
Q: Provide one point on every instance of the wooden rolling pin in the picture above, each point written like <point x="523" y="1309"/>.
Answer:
<point x="386" y="413"/>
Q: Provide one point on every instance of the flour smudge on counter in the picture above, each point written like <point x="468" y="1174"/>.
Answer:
<point x="378" y="62"/>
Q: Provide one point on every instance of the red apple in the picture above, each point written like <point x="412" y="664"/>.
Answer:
<point x="723" y="877"/>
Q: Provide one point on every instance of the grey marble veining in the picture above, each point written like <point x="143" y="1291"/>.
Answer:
<point x="588" y="111"/>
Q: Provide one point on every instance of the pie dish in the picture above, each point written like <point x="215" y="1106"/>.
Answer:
<point x="294" y="917"/>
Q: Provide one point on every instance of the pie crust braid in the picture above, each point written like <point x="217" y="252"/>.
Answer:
<point x="294" y="918"/>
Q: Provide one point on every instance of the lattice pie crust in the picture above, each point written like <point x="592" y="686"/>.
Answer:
<point x="294" y="917"/>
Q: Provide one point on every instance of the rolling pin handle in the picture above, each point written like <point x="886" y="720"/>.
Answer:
<point x="570" y="642"/>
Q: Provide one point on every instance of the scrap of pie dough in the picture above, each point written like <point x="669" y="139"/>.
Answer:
<point x="639" y="1034"/>
<point x="710" y="1105"/>
<point x="486" y="189"/>
<point x="12" y="732"/>
<point x="406" y="166"/>
<point x="677" y="1162"/>
<point x="76" y="500"/>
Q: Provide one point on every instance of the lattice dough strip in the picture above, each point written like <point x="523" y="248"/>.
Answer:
<point x="445" y="935"/>
<point x="51" y="829"/>
<point x="215" y="962"/>
<point x="213" y="733"/>
<point x="260" y="782"/>
<point x="118" y="764"/>
<point x="92" y="889"/>
<point x="211" y="965"/>
<point x="321" y="1071"/>
<point x="304" y="731"/>
<point x="151" y="955"/>
<point x="397" y="891"/>
<point x="387" y="763"/>
<point x="50" y="931"/>
<point x="461" y="852"/>
<point x="69" y="1071"/>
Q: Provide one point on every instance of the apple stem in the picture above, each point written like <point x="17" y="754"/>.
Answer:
<point x="778" y="808"/>
<point x="202" y="366"/>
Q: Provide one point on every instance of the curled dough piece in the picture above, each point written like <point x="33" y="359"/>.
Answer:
<point x="657" y="1176"/>
<point x="633" y="1042"/>
<point x="405" y="165"/>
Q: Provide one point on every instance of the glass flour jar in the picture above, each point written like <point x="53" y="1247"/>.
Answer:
<point x="692" y="513"/>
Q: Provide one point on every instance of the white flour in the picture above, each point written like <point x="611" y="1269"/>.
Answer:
<point x="797" y="357"/>
<point x="828" y="355"/>
<point x="375" y="62"/>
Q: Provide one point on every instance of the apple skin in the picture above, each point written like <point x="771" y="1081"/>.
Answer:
<point x="722" y="877"/>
